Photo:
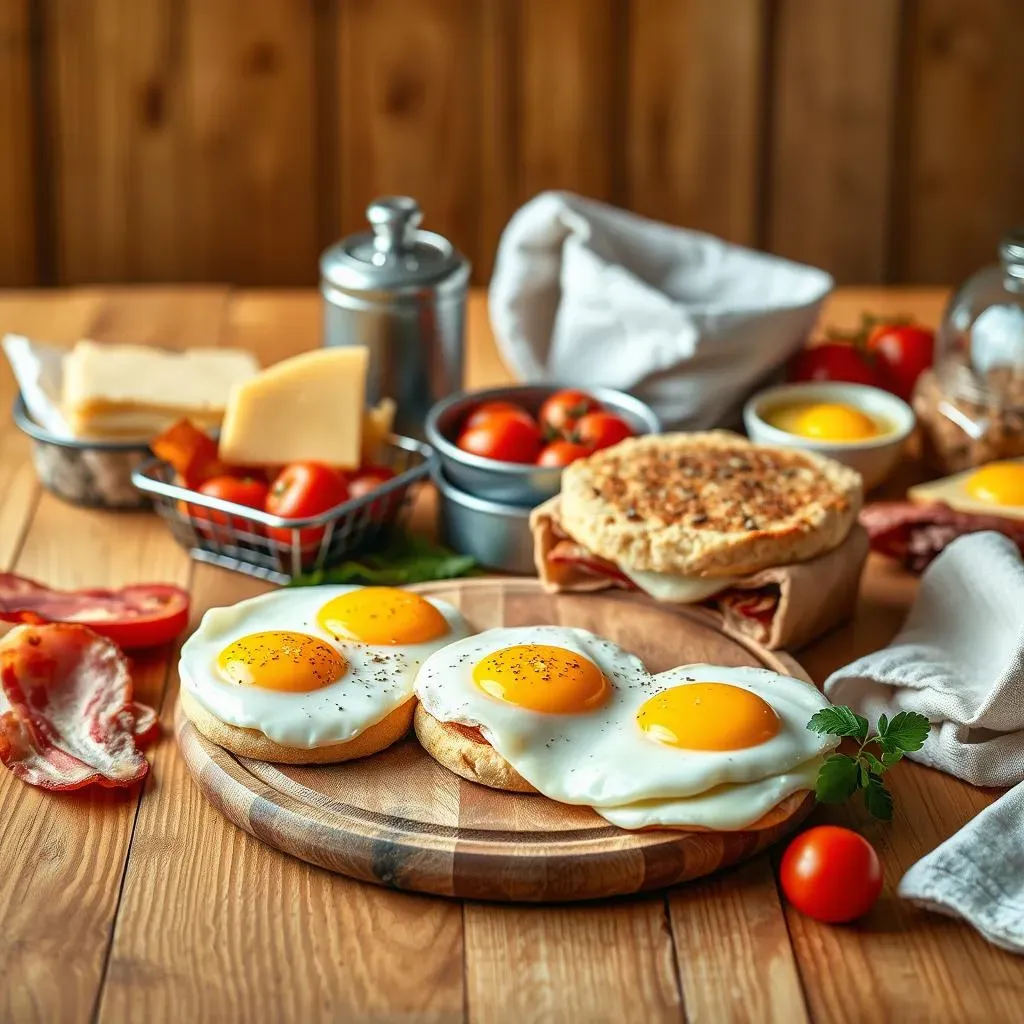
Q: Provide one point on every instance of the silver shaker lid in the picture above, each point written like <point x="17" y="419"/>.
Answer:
<point x="395" y="254"/>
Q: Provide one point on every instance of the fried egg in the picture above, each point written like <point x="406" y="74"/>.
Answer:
<point x="584" y="722"/>
<point x="826" y="421"/>
<point x="995" y="489"/>
<point x="315" y="665"/>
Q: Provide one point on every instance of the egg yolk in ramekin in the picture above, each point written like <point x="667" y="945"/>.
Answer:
<point x="382" y="615"/>
<point x="998" y="483"/>
<point x="825" y="421"/>
<point x="542" y="678"/>
<point x="708" y="716"/>
<point x="281" y="660"/>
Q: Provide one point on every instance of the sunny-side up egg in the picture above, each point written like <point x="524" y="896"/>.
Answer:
<point x="315" y="665"/>
<point x="996" y="489"/>
<point x="826" y="421"/>
<point x="585" y="723"/>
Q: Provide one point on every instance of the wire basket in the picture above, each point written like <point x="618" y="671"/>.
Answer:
<point x="268" y="547"/>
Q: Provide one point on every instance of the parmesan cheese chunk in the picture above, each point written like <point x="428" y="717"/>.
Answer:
<point x="309" y="407"/>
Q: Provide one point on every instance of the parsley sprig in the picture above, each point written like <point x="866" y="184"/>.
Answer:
<point x="840" y="776"/>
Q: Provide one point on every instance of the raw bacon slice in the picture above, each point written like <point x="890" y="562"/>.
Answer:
<point x="71" y="720"/>
<point x="916" y="534"/>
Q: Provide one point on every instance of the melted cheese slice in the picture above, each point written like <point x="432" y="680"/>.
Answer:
<point x="308" y="408"/>
<point x="664" y="586"/>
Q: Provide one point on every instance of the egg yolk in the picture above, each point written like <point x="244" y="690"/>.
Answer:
<point x="998" y="483"/>
<point x="281" y="660"/>
<point x="826" y="421"/>
<point x="708" y="716"/>
<point x="382" y="615"/>
<point x="542" y="678"/>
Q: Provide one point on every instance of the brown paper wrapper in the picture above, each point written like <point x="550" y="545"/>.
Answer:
<point x="810" y="597"/>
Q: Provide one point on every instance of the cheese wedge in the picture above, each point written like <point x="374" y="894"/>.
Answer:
<point x="307" y="408"/>
<point x="137" y="391"/>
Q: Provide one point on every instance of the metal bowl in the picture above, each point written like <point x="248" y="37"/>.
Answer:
<point x="514" y="483"/>
<point x="96" y="474"/>
<point x="497" y="535"/>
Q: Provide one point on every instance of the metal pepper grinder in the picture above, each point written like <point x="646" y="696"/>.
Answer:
<point x="401" y="292"/>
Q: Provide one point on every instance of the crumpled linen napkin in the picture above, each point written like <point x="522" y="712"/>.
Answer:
<point x="959" y="660"/>
<point x="585" y="294"/>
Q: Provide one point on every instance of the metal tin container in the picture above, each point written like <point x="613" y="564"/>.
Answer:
<point x="512" y="482"/>
<point x="401" y="292"/>
<point x="495" y="534"/>
<point x="96" y="474"/>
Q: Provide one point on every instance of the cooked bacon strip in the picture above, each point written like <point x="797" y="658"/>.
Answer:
<point x="71" y="720"/>
<point x="569" y="552"/>
<point x="915" y="534"/>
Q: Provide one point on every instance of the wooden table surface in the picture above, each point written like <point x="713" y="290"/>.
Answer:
<point x="146" y="905"/>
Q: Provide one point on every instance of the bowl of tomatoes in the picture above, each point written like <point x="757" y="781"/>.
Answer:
<point x="511" y="444"/>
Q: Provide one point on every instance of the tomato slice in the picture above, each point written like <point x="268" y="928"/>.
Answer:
<point x="137" y="616"/>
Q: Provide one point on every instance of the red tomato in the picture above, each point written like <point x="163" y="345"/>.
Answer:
<point x="559" y="413"/>
<point x="504" y="436"/>
<point x="601" y="430"/>
<point x="833" y="361"/>
<point x="561" y="453"/>
<point x="141" y="615"/>
<point x="831" y="874"/>
<point x="248" y="491"/>
<point x="484" y="412"/>
<point x="366" y="481"/>
<point x="369" y="478"/>
<point x="902" y="353"/>
<point x="303" y="490"/>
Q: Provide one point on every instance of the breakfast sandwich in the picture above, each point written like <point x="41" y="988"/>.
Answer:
<point x="566" y="713"/>
<point x="314" y="675"/>
<point x="768" y="537"/>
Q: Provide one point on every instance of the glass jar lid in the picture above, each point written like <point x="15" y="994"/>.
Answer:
<point x="394" y="255"/>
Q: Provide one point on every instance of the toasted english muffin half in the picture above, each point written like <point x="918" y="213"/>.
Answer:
<point x="707" y="504"/>
<point x="252" y="743"/>
<point x="462" y="749"/>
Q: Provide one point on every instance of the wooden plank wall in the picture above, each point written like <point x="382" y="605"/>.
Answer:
<point x="230" y="140"/>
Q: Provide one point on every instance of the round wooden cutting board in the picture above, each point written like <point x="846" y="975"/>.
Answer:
<point x="400" y="819"/>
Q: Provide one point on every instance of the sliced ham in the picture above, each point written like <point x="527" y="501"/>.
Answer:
<point x="71" y="719"/>
<point x="915" y="534"/>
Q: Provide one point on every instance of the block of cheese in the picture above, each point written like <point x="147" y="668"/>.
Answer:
<point x="137" y="391"/>
<point x="309" y="407"/>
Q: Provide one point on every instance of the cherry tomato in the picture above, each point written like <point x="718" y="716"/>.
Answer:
<point x="484" y="412"/>
<point x="902" y="353"/>
<point x="302" y="490"/>
<point x="833" y="361"/>
<point x="248" y="490"/>
<point x="559" y="413"/>
<point x="601" y="430"/>
<point x="503" y="436"/>
<point x="561" y="453"/>
<point x="831" y="874"/>
<point x="366" y="481"/>
<point x="369" y="478"/>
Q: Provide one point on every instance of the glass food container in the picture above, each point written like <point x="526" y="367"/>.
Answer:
<point x="971" y="405"/>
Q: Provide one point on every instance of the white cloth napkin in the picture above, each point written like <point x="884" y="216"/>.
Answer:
<point x="959" y="660"/>
<point x="585" y="294"/>
<point x="39" y="371"/>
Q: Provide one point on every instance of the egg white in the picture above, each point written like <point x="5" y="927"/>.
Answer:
<point x="726" y="807"/>
<point x="952" y="491"/>
<point x="378" y="680"/>
<point x="602" y="758"/>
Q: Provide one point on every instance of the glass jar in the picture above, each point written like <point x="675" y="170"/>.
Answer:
<point x="971" y="405"/>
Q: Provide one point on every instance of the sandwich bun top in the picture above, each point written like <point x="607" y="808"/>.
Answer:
<point x="707" y="504"/>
